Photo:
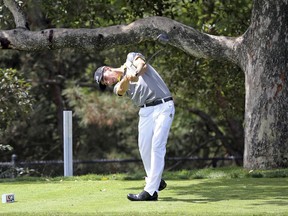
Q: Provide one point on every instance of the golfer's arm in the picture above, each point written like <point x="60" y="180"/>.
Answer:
<point x="122" y="87"/>
<point x="141" y="66"/>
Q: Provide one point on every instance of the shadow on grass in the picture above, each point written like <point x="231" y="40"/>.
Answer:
<point x="172" y="199"/>
<point x="269" y="191"/>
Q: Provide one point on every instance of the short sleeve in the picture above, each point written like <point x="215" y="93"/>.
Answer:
<point x="132" y="56"/>
<point x="115" y="89"/>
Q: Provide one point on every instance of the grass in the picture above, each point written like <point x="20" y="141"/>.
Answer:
<point x="199" y="192"/>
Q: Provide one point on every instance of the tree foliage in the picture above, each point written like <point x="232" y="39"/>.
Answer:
<point x="15" y="100"/>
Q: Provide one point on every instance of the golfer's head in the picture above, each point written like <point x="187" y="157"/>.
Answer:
<point x="98" y="77"/>
<point x="107" y="76"/>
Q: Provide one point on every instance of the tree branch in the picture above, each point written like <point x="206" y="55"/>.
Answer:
<point x="181" y="36"/>
<point x="19" y="17"/>
<point x="209" y="122"/>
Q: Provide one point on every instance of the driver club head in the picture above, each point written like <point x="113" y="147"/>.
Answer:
<point x="163" y="38"/>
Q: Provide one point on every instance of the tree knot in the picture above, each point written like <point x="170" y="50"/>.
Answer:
<point x="4" y="43"/>
<point x="50" y="36"/>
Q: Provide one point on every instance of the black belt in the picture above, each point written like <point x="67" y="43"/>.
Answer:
<point x="156" y="102"/>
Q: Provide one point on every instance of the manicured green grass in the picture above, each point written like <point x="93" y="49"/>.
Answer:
<point x="201" y="192"/>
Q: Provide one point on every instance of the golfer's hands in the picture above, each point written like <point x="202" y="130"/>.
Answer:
<point x="132" y="76"/>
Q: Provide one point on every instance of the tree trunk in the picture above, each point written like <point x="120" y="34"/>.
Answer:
<point x="266" y="70"/>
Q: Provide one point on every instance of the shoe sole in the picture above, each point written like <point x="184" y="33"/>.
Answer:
<point x="138" y="200"/>
<point x="162" y="187"/>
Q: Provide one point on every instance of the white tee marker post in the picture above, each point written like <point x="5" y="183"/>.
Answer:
<point x="68" y="144"/>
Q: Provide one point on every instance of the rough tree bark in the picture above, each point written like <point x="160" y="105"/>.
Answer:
<point x="265" y="62"/>
<point x="261" y="52"/>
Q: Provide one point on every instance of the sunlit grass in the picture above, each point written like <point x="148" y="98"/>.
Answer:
<point x="199" y="192"/>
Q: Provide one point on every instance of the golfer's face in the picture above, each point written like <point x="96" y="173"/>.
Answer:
<point x="109" y="77"/>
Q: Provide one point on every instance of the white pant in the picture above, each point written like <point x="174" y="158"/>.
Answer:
<point x="154" y="126"/>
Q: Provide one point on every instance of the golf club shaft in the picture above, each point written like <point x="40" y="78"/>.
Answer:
<point x="151" y="57"/>
<point x="156" y="53"/>
<point x="162" y="38"/>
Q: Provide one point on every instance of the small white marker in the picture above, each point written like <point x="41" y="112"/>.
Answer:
<point x="8" y="198"/>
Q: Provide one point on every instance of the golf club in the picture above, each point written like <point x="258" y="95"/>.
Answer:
<point x="163" y="39"/>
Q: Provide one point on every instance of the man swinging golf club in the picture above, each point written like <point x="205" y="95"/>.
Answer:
<point x="144" y="86"/>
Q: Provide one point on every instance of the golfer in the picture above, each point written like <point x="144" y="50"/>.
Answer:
<point x="144" y="86"/>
